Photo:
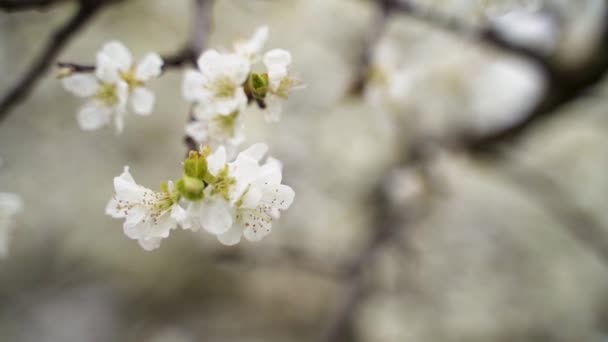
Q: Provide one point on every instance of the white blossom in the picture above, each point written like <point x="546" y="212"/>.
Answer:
<point x="281" y="83"/>
<point x="107" y="101"/>
<point x="246" y="198"/>
<point x="115" y="64"/>
<point x="262" y="196"/>
<point x="10" y="205"/>
<point x="149" y="215"/>
<point x="217" y="87"/>
<point x="117" y="83"/>
<point x="218" y="130"/>
<point x="252" y="48"/>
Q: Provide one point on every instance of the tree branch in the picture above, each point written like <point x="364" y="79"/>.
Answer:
<point x="85" y="12"/>
<point x="376" y="29"/>
<point x="389" y="219"/>
<point x="23" y="5"/>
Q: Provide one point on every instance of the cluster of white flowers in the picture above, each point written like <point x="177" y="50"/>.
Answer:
<point x="225" y="84"/>
<point x="226" y="194"/>
<point x="226" y="199"/>
<point x="10" y="205"/>
<point x="117" y="83"/>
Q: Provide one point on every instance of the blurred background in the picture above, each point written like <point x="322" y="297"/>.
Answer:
<point x="459" y="247"/>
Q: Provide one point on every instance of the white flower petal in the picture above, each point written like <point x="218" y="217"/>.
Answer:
<point x="93" y="115"/>
<point x="216" y="161"/>
<point x="82" y="85"/>
<point x="274" y="108"/>
<point x="252" y="48"/>
<point x="208" y="63"/>
<point x="118" y="54"/>
<point x="255" y="151"/>
<point x="270" y="173"/>
<point x="112" y="209"/>
<point x="106" y="69"/>
<point x="237" y="67"/>
<point x="280" y="196"/>
<point x="232" y="236"/>
<point x="252" y="198"/>
<point x="122" y="92"/>
<point x="197" y="130"/>
<point x="163" y="226"/>
<point x="119" y="121"/>
<point x="215" y="216"/>
<point x="227" y="106"/>
<point x="180" y="215"/>
<point x="149" y="67"/>
<point x="257" y="224"/>
<point x="142" y="101"/>
<point x="133" y="226"/>
<point x="277" y="62"/>
<point x="126" y="189"/>
<point x="149" y="244"/>
<point x="192" y="86"/>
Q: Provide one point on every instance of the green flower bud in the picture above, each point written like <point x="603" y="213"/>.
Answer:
<point x="196" y="165"/>
<point x="257" y="85"/>
<point x="190" y="188"/>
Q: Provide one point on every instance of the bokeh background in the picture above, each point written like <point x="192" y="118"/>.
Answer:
<point x="491" y="255"/>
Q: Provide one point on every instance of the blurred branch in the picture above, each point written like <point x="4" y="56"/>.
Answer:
<point x="87" y="9"/>
<point x="389" y="220"/>
<point x="564" y="85"/>
<point x="376" y="29"/>
<point x="579" y="223"/>
<point x="199" y="36"/>
<point x="23" y="5"/>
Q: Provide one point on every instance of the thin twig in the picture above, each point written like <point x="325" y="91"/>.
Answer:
<point x="85" y="12"/>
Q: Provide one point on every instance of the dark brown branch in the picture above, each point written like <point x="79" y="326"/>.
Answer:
<point x="85" y="12"/>
<point x="73" y="67"/>
<point x="174" y="61"/>
<point x="23" y="5"/>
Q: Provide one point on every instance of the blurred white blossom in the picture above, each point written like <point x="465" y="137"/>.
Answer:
<point x="534" y="30"/>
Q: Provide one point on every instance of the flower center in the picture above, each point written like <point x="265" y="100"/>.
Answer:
<point x="285" y="87"/>
<point x="107" y="94"/>
<point x="224" y="87"/>
<point x="226" y="123"/>
<point x="222" y="184"/>
<point x="157" y="204"/>
<point x="129" y="78"/>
